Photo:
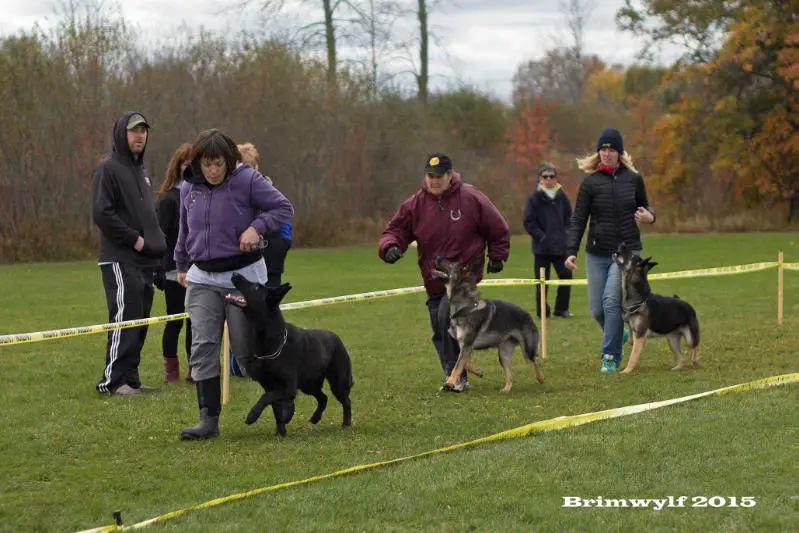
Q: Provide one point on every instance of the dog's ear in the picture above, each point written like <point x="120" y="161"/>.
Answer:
<point x="276" y="294"/>
<point x="650" y="265"/>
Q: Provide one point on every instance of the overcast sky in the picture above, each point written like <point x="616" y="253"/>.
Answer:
<point x="481" y="42"/>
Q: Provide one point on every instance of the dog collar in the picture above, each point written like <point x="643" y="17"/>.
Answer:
<point x="635" y="307"/>
<point x="276" y="353"/>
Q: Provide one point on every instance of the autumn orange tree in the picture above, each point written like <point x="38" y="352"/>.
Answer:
<point x="730" y="138"/>
<point x="530" y="137"/>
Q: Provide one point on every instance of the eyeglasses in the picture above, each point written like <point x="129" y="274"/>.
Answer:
<point x="549" y="176"/>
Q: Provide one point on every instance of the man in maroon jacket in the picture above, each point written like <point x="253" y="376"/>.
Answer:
<point x="450" y="219"/>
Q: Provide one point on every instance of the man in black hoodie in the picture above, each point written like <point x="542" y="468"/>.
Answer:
<point x="131" y="247"/>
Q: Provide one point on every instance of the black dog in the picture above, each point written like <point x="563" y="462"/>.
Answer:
<point x="650" y="314"/>
<point x="286" y="357"/>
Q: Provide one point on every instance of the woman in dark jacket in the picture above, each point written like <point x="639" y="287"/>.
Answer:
<point x="168" y="207"/>
<point x="546" y="218"/>
<point x="612" y="201"/>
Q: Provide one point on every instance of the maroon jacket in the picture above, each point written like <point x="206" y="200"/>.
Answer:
<point x="456" y="225"/>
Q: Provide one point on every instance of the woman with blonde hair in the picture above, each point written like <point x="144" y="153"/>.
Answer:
<point x="278" y="242"/>
<point x="168" y="206"/>
<point x="612" y="201"/>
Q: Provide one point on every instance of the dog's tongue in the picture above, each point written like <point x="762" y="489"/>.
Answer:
<point x="237" y="299"/>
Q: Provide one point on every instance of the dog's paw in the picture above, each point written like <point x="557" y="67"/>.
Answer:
<point x="626" y="370"/>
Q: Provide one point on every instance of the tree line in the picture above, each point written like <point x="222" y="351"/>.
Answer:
<point x="714" y="134"/>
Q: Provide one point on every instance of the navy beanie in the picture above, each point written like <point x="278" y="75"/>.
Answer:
<point x="610" y="137"/>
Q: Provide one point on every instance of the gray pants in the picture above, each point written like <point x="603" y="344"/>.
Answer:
<point x="208" y="311"/>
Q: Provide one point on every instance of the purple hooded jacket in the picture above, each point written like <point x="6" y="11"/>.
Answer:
<point x="213" y="218"/>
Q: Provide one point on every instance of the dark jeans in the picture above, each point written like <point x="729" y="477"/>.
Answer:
<point x="175" y="298"/>
<point x="564" y="291"/>
<point x="446" y="346"/>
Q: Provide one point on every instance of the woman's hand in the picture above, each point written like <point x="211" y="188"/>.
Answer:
<point x="249" y="239"/>
<point x="644" y="216"/>
<point x="571" y="262"/>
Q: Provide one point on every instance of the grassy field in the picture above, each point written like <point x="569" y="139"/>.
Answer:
<point x="71" y="457"/>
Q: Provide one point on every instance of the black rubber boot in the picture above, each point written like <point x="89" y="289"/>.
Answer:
<point x="210" y="403"/>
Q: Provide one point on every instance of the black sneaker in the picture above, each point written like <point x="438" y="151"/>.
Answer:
<point x="564" y="314"/>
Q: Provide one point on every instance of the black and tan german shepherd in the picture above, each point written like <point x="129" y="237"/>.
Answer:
<point x="479" y="324"/>
<point x="286" y="358"/>
<point x="649" y="314"/>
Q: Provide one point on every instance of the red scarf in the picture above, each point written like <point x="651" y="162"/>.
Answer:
<point x="607" y="169"/>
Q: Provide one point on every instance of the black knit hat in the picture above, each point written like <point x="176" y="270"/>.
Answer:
<point x="610" y="137"/>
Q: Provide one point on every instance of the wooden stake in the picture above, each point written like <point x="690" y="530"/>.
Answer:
<point x="780" y="260"/>
<point x="225" y="365"/>
<point x="543" y="293"/>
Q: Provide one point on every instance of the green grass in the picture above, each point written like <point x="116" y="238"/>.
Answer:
<point x="71" y="457"/>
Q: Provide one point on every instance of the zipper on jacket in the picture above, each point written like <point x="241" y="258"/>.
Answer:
<point x="208" y="225"/>
<point x="615" y="206"/>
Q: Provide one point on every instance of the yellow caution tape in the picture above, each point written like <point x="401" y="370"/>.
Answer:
<point x="22" y="338"/>
<point x="697" y="273"/>
<point x="511" y="281"/>
<point x="717" y="271"/>
<point x="552" y="424"/>
<point x="350" y="298"/>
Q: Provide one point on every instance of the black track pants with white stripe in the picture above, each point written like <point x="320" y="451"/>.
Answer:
<point x="129" y="295"/>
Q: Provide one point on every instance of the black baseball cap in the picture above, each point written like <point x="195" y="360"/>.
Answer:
<point x="438" y="164"/>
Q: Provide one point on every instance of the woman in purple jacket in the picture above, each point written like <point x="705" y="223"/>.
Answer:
<point x="224" y="211"/>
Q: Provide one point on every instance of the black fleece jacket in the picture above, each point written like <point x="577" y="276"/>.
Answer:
<point x="123" y="206"/>
<point x="607" y="203"/>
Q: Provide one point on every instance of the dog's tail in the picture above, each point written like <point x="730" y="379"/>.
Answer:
<point x="693" y="328"/>
<point x="530" y="341"/>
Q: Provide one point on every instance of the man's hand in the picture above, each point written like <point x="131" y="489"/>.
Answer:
<point x="494" y="266"/>
<point x="182" y="279"/>
<point x="571" y="262"/>
<point x="139" y="244"/>
<point x="392" y="255"/>
<point x="249" y="239"/>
